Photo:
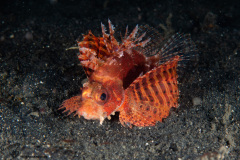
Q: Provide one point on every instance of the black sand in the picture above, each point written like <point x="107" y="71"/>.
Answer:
<point x="37" y="73"/>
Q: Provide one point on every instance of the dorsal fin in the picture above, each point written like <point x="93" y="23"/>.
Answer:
<point x="168" y="47"/>
<point x="94" y="51"/>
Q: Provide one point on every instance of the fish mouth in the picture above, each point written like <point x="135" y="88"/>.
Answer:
<point x="91" y="111"/>
<point x="87" y="108"/>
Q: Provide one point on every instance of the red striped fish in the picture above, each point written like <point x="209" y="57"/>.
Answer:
<point x="137" y="77"/>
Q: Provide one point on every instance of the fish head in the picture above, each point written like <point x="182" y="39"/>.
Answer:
<point x="97" y="100"/>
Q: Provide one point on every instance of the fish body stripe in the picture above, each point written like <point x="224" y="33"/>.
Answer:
<point x="132" y="90"/>
<point x="157" y="86"/>
<point x="154" y="89"/>
<point x="167" y="94"/>
<point x="146" y="89"/>
<point x="137" y="89"/>
<point x="160" y="96"/>
<point x="167" y="86"/>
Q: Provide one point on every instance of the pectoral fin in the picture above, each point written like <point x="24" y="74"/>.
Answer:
<point x="150" y="97"/>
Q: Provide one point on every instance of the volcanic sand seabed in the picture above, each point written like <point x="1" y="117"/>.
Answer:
<point x="37" y="73"/>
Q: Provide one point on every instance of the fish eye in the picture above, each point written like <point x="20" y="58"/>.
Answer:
<point x="103" y="96"/>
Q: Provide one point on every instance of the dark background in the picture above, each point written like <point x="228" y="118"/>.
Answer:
<point x="37" y="73"/>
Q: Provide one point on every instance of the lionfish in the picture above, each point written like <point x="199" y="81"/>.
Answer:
<point x="136" y="77"/>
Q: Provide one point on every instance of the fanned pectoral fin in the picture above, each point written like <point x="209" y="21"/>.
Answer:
<point x="150" y="97"/>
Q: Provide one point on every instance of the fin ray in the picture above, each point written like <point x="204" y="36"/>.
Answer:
<point x="168" y="47"/>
